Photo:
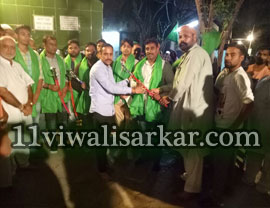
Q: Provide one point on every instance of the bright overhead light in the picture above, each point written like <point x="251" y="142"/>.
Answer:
<point x="193" y="23"/>
<point x="239" y="42"/>
<point x="190" y="24"/>
<point x="250" y="37"/>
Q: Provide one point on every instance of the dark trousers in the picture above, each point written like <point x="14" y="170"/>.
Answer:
<point x="154" y="153"/>
<point x="223" y="166"/>
<point x="97" y="121"/>
<point x="84" y="121"/>
<point x="53" y="120"/>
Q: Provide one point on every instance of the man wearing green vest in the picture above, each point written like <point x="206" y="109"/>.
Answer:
<point x="51" y="104"/>
<point x="29" y="60"/>
<point x="82" y="71"/>
<point x="72" y="60"/>
<point x="122" y="114"/>
<point x="156" y="75"/>
<point x="74" y="56"/>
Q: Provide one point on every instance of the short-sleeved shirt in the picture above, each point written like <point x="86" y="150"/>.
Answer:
<point x="234" y="91"/>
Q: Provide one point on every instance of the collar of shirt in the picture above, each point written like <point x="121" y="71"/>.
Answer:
<point x="54" y="57"/>
<point x="148" y="64"/>
<point x="194" y="46"/>
<point x="24" y="53"/>
<point x="5" y="61"/>
<point x="239" y="68"/>
<point x="107" y="67"/>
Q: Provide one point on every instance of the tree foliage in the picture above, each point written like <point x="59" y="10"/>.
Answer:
<point x="225" y="12"/>
<point x="156" y="17"/>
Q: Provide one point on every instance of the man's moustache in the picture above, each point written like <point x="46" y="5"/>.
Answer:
<point x="183" y="44"/>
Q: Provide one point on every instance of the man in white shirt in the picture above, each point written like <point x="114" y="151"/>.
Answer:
<point x="103" y="88"/>
<point x="14" y="79"/>
<point x="157" y="75"/>
<point x="235" y="101"/>
<point x="192" y="98"/>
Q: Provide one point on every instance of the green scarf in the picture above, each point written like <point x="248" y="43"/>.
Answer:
<point x="76" y="62"/>
<point x="68" y="64"/>
<point x="176" y="63"/>
<point x="152" y="110"/>
<point x="84" y="100"/>
<point x="35" y="70"/>
<point x="50" y="101"/>
<point x="120" y="74"/>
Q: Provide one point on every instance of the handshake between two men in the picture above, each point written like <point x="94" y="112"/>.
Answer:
<point x="140" y="88"/>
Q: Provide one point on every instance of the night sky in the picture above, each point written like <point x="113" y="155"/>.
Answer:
<point x="252" y="13"/>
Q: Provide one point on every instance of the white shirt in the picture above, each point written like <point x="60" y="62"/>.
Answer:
<point x="234" y="91"/>
<point x="16" y="80"/>
<point x="103" y="88"/>
<point x="147" y="71"/>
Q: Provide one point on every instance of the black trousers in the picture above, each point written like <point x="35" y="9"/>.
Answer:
<point x="153" y="153"/>
<point x="97" y="121"/>
<point x="223" y="166"/>
<point x="53" y="120"/>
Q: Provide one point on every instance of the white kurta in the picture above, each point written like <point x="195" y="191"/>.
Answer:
<point x="16" y="80"/>
<point x="192" y="91"/>
<point x="192" y="97"/>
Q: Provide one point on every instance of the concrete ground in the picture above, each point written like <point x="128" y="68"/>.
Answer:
<point x="70" y="179"/>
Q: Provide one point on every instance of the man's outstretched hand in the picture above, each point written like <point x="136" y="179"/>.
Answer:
<point x="165" y="100"/>
<point x="138" y="89"/>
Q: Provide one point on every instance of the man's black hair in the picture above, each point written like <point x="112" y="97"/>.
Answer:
<point x="261" y="48"/>
<point x="151" y="40"/>
<point x="25" y="27"/>
<point x="91" y="44"/>
<point x="101" y="41"/>
<point x="47" y="37"/>
<point x="241" y="47"/>
<point x="130" y="42"/>
<point x="74" y="41"/>
<point x="106" y="45"/>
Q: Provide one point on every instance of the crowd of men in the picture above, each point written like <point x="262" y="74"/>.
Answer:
<point x="92" y="89"/>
